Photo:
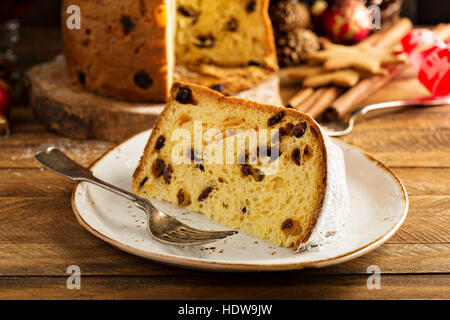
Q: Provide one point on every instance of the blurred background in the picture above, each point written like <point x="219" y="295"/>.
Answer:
<point x="422" y="12"/>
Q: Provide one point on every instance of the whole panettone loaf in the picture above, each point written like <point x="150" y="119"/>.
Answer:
<point x="230" y="33"/>
<point x="266" y="170"/>
<point x="124" y="49"/>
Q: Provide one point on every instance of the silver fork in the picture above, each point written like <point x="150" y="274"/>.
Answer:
<point x="160" y="225"/>
<point x="340" y="127"/>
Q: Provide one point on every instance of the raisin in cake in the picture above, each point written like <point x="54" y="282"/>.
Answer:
<point x="124" y="48"/>
<point x="226" y="33"/>
<point x="286" y="185"/>
<point x="252" y="82"/>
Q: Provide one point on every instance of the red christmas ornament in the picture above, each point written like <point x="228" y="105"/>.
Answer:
<point x="6" y="100"/>
<point x="345" y="21"/>
<point x="430" y="57"/>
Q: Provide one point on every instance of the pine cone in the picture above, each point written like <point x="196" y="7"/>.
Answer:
<point x="292" y="45"/>
<point x="288" y="15"/>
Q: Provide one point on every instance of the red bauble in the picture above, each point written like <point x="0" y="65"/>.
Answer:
<point x="434" y="72"/>
<point x="5" y="98"/>
<point x="430" y="57"/>
<point x="346" y="21"/>
<point x="420" y="37"/>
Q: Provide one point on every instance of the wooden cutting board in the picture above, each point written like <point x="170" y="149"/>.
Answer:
<point x="76" y="113"/>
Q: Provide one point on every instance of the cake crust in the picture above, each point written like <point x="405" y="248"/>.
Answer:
<point x="121" y="49"/>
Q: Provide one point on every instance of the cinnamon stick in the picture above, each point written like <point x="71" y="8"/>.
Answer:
<point x="307" y="103"/>
<point x="323" y="101"/>
<point x="353" y="97"/>
<point x="300" y="96"/>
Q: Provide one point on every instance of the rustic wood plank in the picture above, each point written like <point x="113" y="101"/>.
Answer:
<point x="48" y="239"/>
<point x="425" y="181"/>
<point x="244" y="286"/>
<point x="33" y="182"/>
<point x="25" y="259"/>
<point x="427" y="221"/>
<point x="19" y="149"/>
<point x="405" y="148"/>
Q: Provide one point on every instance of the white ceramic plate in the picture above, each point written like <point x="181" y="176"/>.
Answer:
<point x="378" y="207"/>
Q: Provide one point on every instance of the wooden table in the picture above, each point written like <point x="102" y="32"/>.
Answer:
<point x="40" y="238"/>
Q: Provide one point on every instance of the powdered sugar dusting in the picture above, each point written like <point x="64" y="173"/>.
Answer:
<point x="336" y="206"/>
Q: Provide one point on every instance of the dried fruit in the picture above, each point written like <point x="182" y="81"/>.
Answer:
<point x="184" y="95"/>
<point x="217" y="87"/>
<point x="306" y="150"/>
<point x="205" y="41"/>
<point x="251" y="6"/>
<point x="143" y="182"/>
<point x="276" y="118"/>
<point x="232" y="24"/>
<point x="254" y="63"/>
<point x="257" y="174"/>
<point x="158" y="168"/>
<point x="299" y="130"/>
<point x="201" y="167"/>
<point x="274" y="153"/>
<point x="205" y="193"/>
<point x="288" y="128"/>
<point x="244" y="209"/>
<point x="168" y="174"/>
<point x="193" y="155"/>
<point x="291" y="227"/>
<point x="246" y="170"/>
<point x="180" y="196"/>
<point x="269" y="151"/>
<point x="160" y="142"/>
<point x="276" y="138"/>
<point x="287" y="224"/>
<point x="289" y="106"/>
<point x="127" y="24"/>
<point x="295" y="156"/>
<point x="187" y="11"/>
<point x="143" y="80"/>
<point x="81" y="77"/>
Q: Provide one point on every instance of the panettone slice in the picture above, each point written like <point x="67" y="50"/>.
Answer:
<point x="267" y="171"/>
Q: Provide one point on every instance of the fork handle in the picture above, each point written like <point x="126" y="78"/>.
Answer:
<point x="58" y="162"/>
<point x="424" y="102"/>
